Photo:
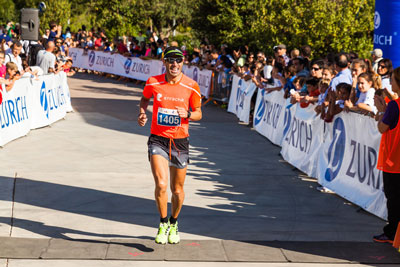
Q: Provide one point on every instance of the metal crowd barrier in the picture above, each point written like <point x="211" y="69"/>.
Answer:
<point x="221" y="86"/>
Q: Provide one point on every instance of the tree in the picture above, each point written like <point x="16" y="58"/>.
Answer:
<point x="325" y="25"/>
<point x="9" y="13"/>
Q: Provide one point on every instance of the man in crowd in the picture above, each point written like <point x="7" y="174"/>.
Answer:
<point x="280" y="50"/>
<point x="14" y="56"/>
<point x="45" y="58"/>
<point x="377" y="55"/>
<point x="55" y="31"/>
<point x="300" y="64"/>
<point x="344" y="73"/>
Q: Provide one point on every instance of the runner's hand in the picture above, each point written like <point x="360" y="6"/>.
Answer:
<point x="142" y="119"/>
<point x="182" y="112"/>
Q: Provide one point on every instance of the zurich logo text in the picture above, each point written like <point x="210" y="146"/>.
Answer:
<point x="336" y="150"/>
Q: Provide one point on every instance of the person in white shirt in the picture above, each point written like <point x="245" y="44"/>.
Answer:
<point x="14" y="56"/>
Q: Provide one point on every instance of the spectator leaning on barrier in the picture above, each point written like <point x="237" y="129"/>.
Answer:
<point x="365" y="102"/>
<point x="11" y="76"/>
<point x="316" y="68"/>
<point x="300" y="64"/>
<point x="338" y="98"/>
<point x="377" y="55"/>
<point x="389" y="157"/>
<point x="45" y="58"/>
<point x="14" y="56"/>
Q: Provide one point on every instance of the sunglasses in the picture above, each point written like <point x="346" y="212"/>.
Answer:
<point x="171" y="60"/>
<point x="316" y="69"/>
<point x="382" y="66"/>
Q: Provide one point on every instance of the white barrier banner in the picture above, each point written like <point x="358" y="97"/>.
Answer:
<point x="302" y="140"/>
<point x="271" y="115"/>
<point x="131" y="67"/>
<point x="50" y="100"/>
<point x="348" y="159"/>
<point x="243" y="100"/>
<point x="202" y="77"/>
<point x="240" y="99"/>
<point x="14" y="112"/>
<point x="32" y="104"/>
<point x="232" y="98"/>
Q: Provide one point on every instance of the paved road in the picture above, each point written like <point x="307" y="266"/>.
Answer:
<point x="82" y="189"/>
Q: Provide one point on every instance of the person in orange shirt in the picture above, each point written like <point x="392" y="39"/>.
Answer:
<point x="389" y="157"/>
<point x="176" y="100"/>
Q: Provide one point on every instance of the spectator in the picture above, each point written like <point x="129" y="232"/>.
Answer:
<point x="312" y="92"/>
<point x="343" y="72"/>
<point x="290" y="75"/>
<point x="377" y="55"/>
<point x="251" y="58"/>
<point x="389" y="158"/>
<point x="46" y="59"/>
<point x="305" y="52"/>
<point x="14" y="56"/>
<point x="300" y="65"/>
<point x="321" y="104"/>
<point x="67" y="67"/>
<point x="140" y="37"/>
<point x="385" y="70"/>
<point x="316" y="69"/>
<point x="365" y="102"/>
<point x="12" y="74"/>
<point x="55" y="31"/>
<point x="300" y="88"/>
<point x="294" y="54"/>
<point x="338" y="99"/>
<point x="280" y="51"/>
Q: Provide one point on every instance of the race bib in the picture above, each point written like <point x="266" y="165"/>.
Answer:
<point x="168" y="117"/>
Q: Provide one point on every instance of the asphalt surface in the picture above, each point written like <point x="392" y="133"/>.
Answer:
<point x="80" y="193"/>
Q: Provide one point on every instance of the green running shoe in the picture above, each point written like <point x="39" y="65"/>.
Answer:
<point x="162" y="234"/>
<point x="173" y="236"/>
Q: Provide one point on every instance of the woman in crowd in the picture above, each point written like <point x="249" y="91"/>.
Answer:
<point x="385" y="70"/>
<point x="316" y="69"/>
<point x="389" y="157"/>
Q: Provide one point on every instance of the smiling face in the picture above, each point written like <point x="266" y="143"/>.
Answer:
<point x="364" y="85"/>
<point x="316" y="71"/>
<point x="173" y="66"/>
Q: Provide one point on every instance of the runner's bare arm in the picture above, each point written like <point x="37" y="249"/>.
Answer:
<point x="142" y="117"/>
<point x="195" y="115"/>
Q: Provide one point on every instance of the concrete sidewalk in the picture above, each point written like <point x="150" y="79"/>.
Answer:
<point x="87" y="178"/>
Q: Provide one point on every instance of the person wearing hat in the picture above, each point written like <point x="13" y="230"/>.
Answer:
<point x="176" y="100"/>
<point x="280" y="51"/>
<point x="377" y="55"/>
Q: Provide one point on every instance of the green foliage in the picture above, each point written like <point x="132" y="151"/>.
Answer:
<point x="9" y="13"/>
<point x="325" y="25"/>
<point x="58" y="11"/>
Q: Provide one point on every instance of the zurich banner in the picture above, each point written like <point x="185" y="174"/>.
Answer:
<point x="33" y="103"/>
<point x="342" y="155"/>
<point x="387" y="29"/>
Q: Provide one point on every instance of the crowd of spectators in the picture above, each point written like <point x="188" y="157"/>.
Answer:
<point x="331" y="84"/>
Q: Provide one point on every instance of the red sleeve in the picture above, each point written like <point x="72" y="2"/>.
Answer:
<point x="195" y="98"/>
<point x="148" y="89"/>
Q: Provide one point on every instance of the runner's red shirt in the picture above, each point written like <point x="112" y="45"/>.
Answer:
<point x="166" y="121"/>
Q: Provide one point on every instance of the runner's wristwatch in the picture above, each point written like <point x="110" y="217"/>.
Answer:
<point x="189" y="113"/>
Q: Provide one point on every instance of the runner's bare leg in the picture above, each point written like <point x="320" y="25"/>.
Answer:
<point x="159" y="168"/>
<point x="178" y="195"/>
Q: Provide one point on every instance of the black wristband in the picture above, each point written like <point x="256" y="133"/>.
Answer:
<point x="189" y="114"/>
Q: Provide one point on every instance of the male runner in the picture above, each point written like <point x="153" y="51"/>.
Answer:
<point x="168" y="146"/>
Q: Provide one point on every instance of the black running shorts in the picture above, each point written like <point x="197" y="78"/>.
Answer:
<point x="176" y="151"/>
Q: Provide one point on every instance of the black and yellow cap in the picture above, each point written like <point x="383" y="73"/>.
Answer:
<point x="172" y="51"/>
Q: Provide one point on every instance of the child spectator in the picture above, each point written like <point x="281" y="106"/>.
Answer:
<point x="323" y="86"/>
<point x="299" y="83"/>
<point x="290" y="75"/>
<point x="313" y="92"/>
<point x="366" y="100"/>
<point x="67" y="67"/>
<point x="338" y="98"/>
<point x="11" y="76"/>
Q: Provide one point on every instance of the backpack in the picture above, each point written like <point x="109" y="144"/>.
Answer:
<point x="33" y="54"/>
